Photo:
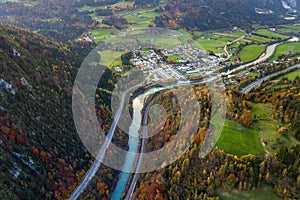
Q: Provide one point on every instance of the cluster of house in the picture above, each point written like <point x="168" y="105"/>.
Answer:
<point x="136" y="14"/>
<point x="190" y="61"/>
<point x="146" y="61"/>
<point x="87" y="37"/>
<point x="26" y="84"/>
<point x="7" y="87"/>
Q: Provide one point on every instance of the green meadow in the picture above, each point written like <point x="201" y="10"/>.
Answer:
<point x="239" y="140"/>
<point x="291" y="75"/>
<point x="268" y="129"/>
<point x="264" y="193"/>
<point x="271" y="34"/>
<point x="293" y="47"/>
<point x="262" y="137"/>
<point x="251" y="52"/>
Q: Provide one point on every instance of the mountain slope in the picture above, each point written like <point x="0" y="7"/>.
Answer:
<point x="41" y="155"/>
<point x="216" y="14"/>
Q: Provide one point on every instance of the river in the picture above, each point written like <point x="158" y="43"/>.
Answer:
<point x="134" y="140"/>
<point x="270" y="50"/>
<point x="135" y="126"/>
<point x="133" y="144"/>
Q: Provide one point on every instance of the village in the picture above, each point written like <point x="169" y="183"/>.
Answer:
<point x="179" y="63"/>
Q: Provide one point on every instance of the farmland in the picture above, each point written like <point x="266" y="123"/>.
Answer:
<point x="288" y="48"/>
<point x="251" y="52"/>
<point x="265" y="193"/>
<point x="268" y="129"/>
<point x="291" y="76"/>
<point x="271" y="34"/>
<point x="289" y="29"/>
<point x="103" y="34"/>
<point x="247" y="140"/>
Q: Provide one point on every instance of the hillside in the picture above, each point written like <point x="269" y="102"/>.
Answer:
<point x="41" y="157"/>
<point x="59" y="20"/>
<point x="217" y="14"/>
<point x="67" y="20"/>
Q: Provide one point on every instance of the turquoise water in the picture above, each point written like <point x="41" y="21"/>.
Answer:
<point x="133" y="144"/>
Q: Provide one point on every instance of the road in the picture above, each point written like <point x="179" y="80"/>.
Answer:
<point x="254" y="84"/>
<point x="145" y="131"/>
<point x="145" y="134"/>
<point x="225" y="48"/>
<point x="270" y="50"/>
<point x="96" y="164"/>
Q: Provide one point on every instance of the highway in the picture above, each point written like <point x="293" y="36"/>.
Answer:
<point x="145" y="134"/>
<point x="254" y="84"/>
<point x="97" y="163"/>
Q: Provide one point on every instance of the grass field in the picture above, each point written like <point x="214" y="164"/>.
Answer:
<point x="258" y="39"/>
<point x="161" y="41"/>
<point x="286" y="30"/>
<point x="280" y="87"/>
<point x="110" y="58"/>
<point x="267" y="129"/>
<point x="271" y="34"/>
<point x="291" y="75"/>
<point x="210" y="45"/>
<point x="293" y="47"/>
<point x="144" y="20"/>
<point x="253" y="74"/>
<point x="293" y="26"/>
<point x="174" y="57"/>
<point x="263" y="136"/>
<point x="251" y="52"/>
<point x="238" y="140"/>
<point x="289" y="28"/>
<point x="93" y="8"/>
<point x="103" y="34"/>
<point x="265" y="193"/>
<point x="210" y="40"/>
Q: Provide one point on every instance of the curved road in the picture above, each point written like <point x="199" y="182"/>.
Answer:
<point x="225" y="48"/>
<point x="95" y="166"/>
<point x="270" y="50"/>
<point x="97" y="163"/>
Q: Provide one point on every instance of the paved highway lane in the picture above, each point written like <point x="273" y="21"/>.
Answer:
<point x="144" y="140"/>
<point x="96" y="164"/>
<point x="255" y="83"/>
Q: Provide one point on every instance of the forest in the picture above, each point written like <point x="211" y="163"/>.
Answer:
<point x="218" y="14"/>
